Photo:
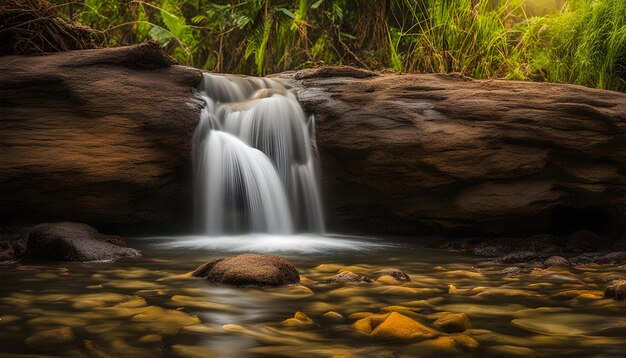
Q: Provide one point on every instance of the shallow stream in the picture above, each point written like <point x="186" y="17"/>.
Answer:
<point x="140" y="308"/>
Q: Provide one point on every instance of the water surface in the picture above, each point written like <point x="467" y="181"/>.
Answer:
<point x="140" y="308"/>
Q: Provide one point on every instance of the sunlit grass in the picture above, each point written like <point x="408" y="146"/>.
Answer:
<point x="571" y="41"/>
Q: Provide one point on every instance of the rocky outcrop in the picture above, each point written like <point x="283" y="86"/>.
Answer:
<point x="64" y="241"/>
<point x="250" y="270"/>
<point x="67" y="241"/>
<point x="97" y="136"/>
<point x="445" y="154"/>
<point x="104" y="137"/>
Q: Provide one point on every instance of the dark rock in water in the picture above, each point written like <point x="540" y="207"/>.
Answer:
<point x="393" y="272"/>
<point x="586" y="241"/>
<point x="69" y="241"/>
<point x="616" y="290"/>
<point x="514" y="271"/>
<point x="556" y="261"/>
<point x="107" y="140"/>
<point x="250" y="270"/>
<point x="540" y="245"/>
<point x="13" y="243"/>
<point x="518" y="257"/>
<point x="612" y="258"/>
<point x="432" y="153"/>
<point x="347" y="276"/>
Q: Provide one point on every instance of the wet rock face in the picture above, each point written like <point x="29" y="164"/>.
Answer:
<point x="250" y="270"/>
<point x="68" y="241"/>
<point x="98" y="136"/>
<point x="443" y="154"/>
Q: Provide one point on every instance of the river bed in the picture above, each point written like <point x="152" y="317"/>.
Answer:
<point x="144" y="307"/>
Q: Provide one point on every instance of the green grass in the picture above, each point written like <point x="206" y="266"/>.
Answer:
<point x="583" y="41"/>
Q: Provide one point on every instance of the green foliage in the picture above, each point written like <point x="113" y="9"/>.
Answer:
<point x="583" y="42"/>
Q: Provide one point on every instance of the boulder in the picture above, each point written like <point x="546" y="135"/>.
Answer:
<point x="556" y="261"/>
<point x="250" y="270"/>
<point x="69" y="241"/>
<point x="99" y="136"/>
<point x="444" y="154"/>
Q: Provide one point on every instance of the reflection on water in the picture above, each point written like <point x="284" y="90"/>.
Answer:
<point x="141" y="308"/>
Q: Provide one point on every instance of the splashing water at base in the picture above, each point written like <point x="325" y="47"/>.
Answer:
<point x="253" y="162"/>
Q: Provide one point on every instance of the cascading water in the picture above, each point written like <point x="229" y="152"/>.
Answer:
<point x="253" y="163"/>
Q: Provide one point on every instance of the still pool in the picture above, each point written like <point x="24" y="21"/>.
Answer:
<point x="143" y="308"/>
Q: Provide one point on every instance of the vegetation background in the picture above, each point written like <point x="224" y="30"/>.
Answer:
<point x="573" y="41"/>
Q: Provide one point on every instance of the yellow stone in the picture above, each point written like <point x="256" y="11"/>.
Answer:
<point x="299" y="320"/>
<point x="366" y="324"/>
<point x="452" y="289"/>
<point x="360" y="315"/>
<point x="388" y="280"/>
<point x="570" y="294"/>
<point x="150" y="339"/>
<point x="450" y="344"/>
<point x="333" y="315"/>
<point x="453" y="322"/>
<point x="397" y="326"/>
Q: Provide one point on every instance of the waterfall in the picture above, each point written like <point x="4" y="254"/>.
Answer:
<point x="254" y="169"/>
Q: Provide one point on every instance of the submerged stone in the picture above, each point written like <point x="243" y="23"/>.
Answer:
<point x="348" y="276"/>
<point x="393" y="326"/>
<point x="250" y="270"/>
<point x="333" y="316"/>
<point x="616" y="290"/>
<point x="51" y="338"/>
<point x="453" y="322"/>
<point x="571" y="294"/>
<point x="392" y="272"/>
<point x="454" y="344"/>
<point x="299" y="319"/>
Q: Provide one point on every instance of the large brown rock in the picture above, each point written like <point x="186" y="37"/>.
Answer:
<point x="98" y="136"/>
<point x="67" y="241"/>
<point x="445" y="154"/>
<point x="250" y="270"/>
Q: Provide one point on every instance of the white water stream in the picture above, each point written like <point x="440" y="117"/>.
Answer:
<point x="253" y="163"/>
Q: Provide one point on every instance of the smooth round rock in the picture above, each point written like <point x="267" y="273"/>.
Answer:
<point x="250" y="270"/>
<point x="556" y="261"/>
